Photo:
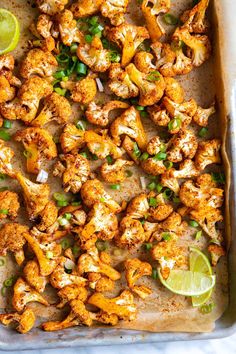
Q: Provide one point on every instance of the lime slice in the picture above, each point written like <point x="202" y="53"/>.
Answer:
<point x="9" y="31"/>
<point x="200" y="263"/>
<point x="187" y="283"/>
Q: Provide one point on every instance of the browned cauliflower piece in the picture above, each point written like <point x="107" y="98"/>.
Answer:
<point x="98" y="115"/>
<point x="128" y="37"/>
<point x="182" y="145"/>
<point x="25" y="320"/>
<point x="82" y="91"/>
<point x="174" y="91"/>
<point x="78" y="215"/>
<point x="93" y="192"/>
<point x="115" y="173"/>
<point x="169" y="181"/>
<point x="101" y="145"/>
<point x="159" y="115"/>
<point x="71" y="138"/>
<point x="9" y="205"/>
<point x="216" y="253"/>
<point x="173" y="224"/>
<point x="208" y="152"/>
<point x="138" y="207"/>
<point x="154" y="145"/>
<point x="194" y="20"/>
<point x="56" y="108"/>
<point x="68" y="29"/>
<point x="23" y="294"/>
<point x="43" y="30"/>
<point x="187" y="169"/>
<point x="153" y="166"/>
<point x="47" y="217"/>
<point x="162" y="210"/>
<point x="151" y="86"/>
<point x="7" y="92"/>
<point x="202" y="115"/>
<point x="120" y="82"/>
<point x="71" y="292"/>
<point x="38" y="62"/>
<point x="74" y="173"/>
<point x="12" y="239"/>
<point x="33" y="277"/>
<point x="134" y="270"/>
<point x="8" y="82"/>
<point x="129" y="123"/>
<point x="84" y="8"/>
<point x="123" y="305"/>
<point x="114" y="10"/>
<point x="39" y="145"/>
<point x="94" y="55"/>
<point x="143" y="62"/>
<point x="51" y="7"/>
<point x="131" y="233"/>
<point x="100" y="283"/>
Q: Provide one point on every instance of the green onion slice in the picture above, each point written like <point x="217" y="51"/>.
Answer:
<point x="4" y="135"/>
<point x="174" y="124"/>
<point x="153" y="76"/>
<point x="170" y="19"/>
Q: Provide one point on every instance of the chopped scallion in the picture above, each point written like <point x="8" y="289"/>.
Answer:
<point x="76" y="203"/>
<point x="136" y="150"/>
<point x="115" y="187"/>
<point x="4" y="135"/>
<point x="67" y="216"/>
<point x="151" y="186"/>
<point x="75" y="250"/>
<point x="170" y="19"/>
<point x="154" y="274"/>
<point x="2" y="262"/>
<point x="203" y="132"/>
<point x="81" y="125"/>
<point x="152" y="202"/>
<point x="109" y="160"/>
<point x="9" y="282"/>
<point x="73" y="48"/>
<point x="153" y="76"/>
<point x="114" y="57"/>
<point x="167" y="194"/>
<point x="101" y="245"/>
<point x="174" y="124"/>
<point x="60" y="91"/>
<point x="7" y="124"/>
<point x="60" y="74"/>
<point x="128" y="173"/>
<point x="4" y="211"/>
<point x="65" y="244"/>
<point x="168" y="165"/>
<point x="140" y="108"/>
<point x="198" y="235"/>
<point x="144" y="156"/>
<point x="166" y="236"/>
<point x="160" y="156"/>
<point x="218" y="177"/>
<point x="81" y="68"/>
<point x="62" y="58"/>
<point x="205" y="309"/>
<point x="59" y="196"/>
<point x="193" y="223"/>
<point x="88" y="38"/>
<point x="62" y="203"/>
<point x="148" y="246"/>
<point x="159" y="187"/>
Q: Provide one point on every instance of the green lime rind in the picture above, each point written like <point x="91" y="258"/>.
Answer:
<point x="9" y="31"/>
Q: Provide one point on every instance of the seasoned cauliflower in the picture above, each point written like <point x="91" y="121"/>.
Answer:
<point x="98" y="115"/>
<point x="128" y="37"/>
<point x="101" y="145"/>
<point x="100" y="283"/>
<point x="173" y="224"/>
<point x="159" y="115"/>
<point x="120" y="82"/>
<point x="194" y="20"/>
<point x="143" y="62"/>
<point x="154" y="145"/>
<point x="131" y="233"/>
<point x="12" y="239"/>
<point x="153" y="166"/>
<point x="208" y="152"/>
<point x="94" y="55"/>
<point x="68" y="29"/>
<point x="23" y="294"/>
<point x="9" y="205"/>
<point x="187" y="169"/>
<point x="43" y="29"/>
<point x="114" y="10"/>
<point x="174" y="91"/>
<point x="182" y="145"/>
<point x="71" y="138"/>
<point x="134" y="270"/>
<point x="169" y="181"/>
<point x="116" y="172"/>
<point x="25" y="320"/>
<point x="131" y="149"/>
<point x="6" y="156"/>
<point x="7" y="92"/>
<point x="47" y="217"/>
<point x="202" y="115"/>
<point x="78" y="215"/>
<point x="38" y="62"/>
<point x="71" y="292"/>
<point x="75" y="172"/>
<point x="216" y="253"/>
<point x="129" y="123"/>
<point x="151" y="86"/>
<point x="33" y="277"/>
<point x="51" y="7"/>
<point x="56" y="108"/>
<point x="138" y="207"/>
<point x="82" y="91"/>
<point x="8" y="82"/>
<point x="162" y="210"/>
<point x="84" y="8"/>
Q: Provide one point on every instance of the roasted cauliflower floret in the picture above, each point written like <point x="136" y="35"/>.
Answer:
<point x="174" y="91"/>
<point x="33" y="277"/>
<point x="25" y="320"/>
<point x="134" y="270"/>
<point x="71" y="292"/>
<point x="131" y="233"/>
<point x="94" y="55"/>
<point x="100" y="283"/>
<point x="43" y="30"/>
<point x="173" y="224"/>
<point x="47" y="217"/>
<point x="129" y="123"/>
<point x="78" y="215"/>
<point x="159" y="115"/>
<point x="23" y="294"/>
<point x="82" y="91"/>
<point x="153" y="166"/>
<point x="68" y="29"/>
<point x="12" y="239"/>
<point x="202" y="115"/>
<point x="182" y="145"/>
<point x="71" y="138"/>
<point x="194" y="20"/>
<point x="120" y="82"/>
<point x="115" y="173"/>
<point x="187" y="169"/>
<point x="162" y="210"/>
<point x="169" y="181"/>
<point x="75" y="172"/>
<point x="38" y="62"/>
<point x="143" y="62"/>
<point x="151" y="86"/>
<point x="56" y="108"/>
<point x="208" y="152"/>
<point x="216" y="253"/>
<point x="8" y="82"/>
<point x="9" y="205"/>
<point x="138" y="207"/>
<point x="114" y="10"/>
<point x="7" y="92"/>
<point x="98" y="115"/>
<point x="5" y="159"/>
<point x="93" y="192"/>
<point x="128" y="37"/>
<point x="84" y="8"/>
<point x="51" y="7"/>
<point x="101" y="145"/>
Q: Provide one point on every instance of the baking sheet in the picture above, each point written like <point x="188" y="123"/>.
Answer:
<point x="162" y="311"/>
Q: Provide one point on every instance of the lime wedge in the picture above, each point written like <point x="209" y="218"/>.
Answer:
<point x="200" y="263"/>
<point x="187" y="283"/>
<point x="9" y="31"/>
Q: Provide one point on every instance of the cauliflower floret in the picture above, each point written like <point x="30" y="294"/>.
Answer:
<point x="187" y="169"/>
<point x="6" y="155"/>
<point x="152" y="11"/>
<point x="35" y="195"/>
<point x="47" y="217"/>
<point x="169" y="181"/>
<point x="216" y="253"/>
<point x="7" y="80"/>
<point x="98" y="115"/>
<point x="194" y="19"/>
<point x="82" y="91"/>
<point x="71" y="292"/>
<point x="131" y="149"/>
<point x="12" y="239"/>
<point x="123" y="305"/>
<point x="100" y="283"/>
<point x="42" y="29"/>
<point x="39" y="146"/>
<point x="68" y="29"/>
<point x="158" y="115"/>
<point x="101" y="223"/>
<point x="154" y="145"/>
<point x="174" y="91"/>
<point x="38" y="62"/>
<point x="208" y="152"/>
<point x="138" y="207"/>
<point x="92" y="262"/>
<point x="162" y="210"/>
<point x="101" y="145"/>
<point x="25" y="320"/>
<point x="94" y="55"/>
<point x="93" y="192"/>
<point x="143" y="62"/>
<point x="152" y="231"/>
<point x="84" y="8"/>
<point x="78" y="215"/>
<point x="51" y="7"/>
<point x="115" y="173"/>
<point x="71" y="138"/>
<point x="114" y="10"/>
<point x="75" y="173"/>
<point x="182" y="145"/>
<point x="151" y="86"/>
<point x="173" y="224"/>
<point x="9" y="205"/>
<point x="129" y="123"/>
<point x="202" y="115"/>
<point x="7" y="92"/>
<point x="33" y="277"/>
<point x="134" y="270"/>
<point x="128" y="37"/>
<point x="56" y="108"/>
<point x="23" y="294"/>
<point x="153" y="166"/>
<point x="120" y="82"/>
<point x="131" y="233"/>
